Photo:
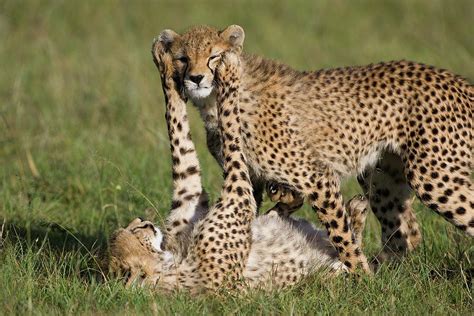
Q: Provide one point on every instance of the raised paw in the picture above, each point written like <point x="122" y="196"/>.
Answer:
<point x="228" y="69"/>
<point x="164" y="62"/>
<point x="230" y="59"/>
<point x="162" y="59"/>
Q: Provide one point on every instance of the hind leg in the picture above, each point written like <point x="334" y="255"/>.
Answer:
<point x="326" y="200"/>
<point x="391" y="201"/>
<point x="443" y="185"/>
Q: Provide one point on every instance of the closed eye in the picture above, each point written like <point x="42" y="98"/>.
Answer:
<point x="146" y="226"/>
<point x="149" y="226"/>
<point x="213" y="57"/>
<point x="183" y="59"/>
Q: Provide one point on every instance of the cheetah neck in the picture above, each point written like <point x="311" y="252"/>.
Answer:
<point x="208" y="110"/>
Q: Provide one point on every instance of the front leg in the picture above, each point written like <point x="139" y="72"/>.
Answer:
<point x="190" y="202"/>
<point x="215" y="147"/>
<point x="328" y="203"/>
<point x="223" y="237"/>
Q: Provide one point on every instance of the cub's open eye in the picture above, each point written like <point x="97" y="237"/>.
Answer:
<point x="273" y="188"/>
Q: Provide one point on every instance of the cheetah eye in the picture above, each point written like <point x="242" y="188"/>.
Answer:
<point x="183" y="59"/>
<point x="273" y="189"/>
<point x="214" y="57"/>
<point x="150" y="226"/>
<point x="147" y="226"/>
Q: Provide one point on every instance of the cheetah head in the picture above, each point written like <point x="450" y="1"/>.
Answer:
<point x="136" y="254"/>
<point x="196" y="55"/>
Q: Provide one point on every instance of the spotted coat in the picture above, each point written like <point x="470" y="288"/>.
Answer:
<point x="400" y="126"/>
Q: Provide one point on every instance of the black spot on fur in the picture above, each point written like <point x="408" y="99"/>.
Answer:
<point x="175" y="204"/>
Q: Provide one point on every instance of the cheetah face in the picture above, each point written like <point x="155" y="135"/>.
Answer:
<point x="136" y="252"/>
<point x="196" y="55"/>
<point x="148" y="234"/>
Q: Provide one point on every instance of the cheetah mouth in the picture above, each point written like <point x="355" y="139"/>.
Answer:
<point x="157" y="240"/>
<point x="198" y="92"/>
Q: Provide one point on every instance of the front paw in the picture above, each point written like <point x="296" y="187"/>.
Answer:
<point x="161" y="58"/>
<point x="231" y="59"/>
<point x="164" y="62"/>
<point x="228" y="67"/>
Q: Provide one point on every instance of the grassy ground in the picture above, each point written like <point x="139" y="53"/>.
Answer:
<point x="83" y="146"/>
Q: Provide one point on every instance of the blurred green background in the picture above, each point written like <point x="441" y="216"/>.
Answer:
<point x="84" y="148"/>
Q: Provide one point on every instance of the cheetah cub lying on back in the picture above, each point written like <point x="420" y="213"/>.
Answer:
<point x="204" y="248"/>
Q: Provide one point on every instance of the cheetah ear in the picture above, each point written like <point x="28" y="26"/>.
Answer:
<point x="164" y="40"/>
<point x="234" y="35"/>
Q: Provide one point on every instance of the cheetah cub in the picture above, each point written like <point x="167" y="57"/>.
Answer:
<point x="204" y="248"/>
<point x="400" y="126"/>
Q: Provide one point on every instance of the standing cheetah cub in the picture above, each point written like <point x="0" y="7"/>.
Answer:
<point x="205" y="248"/>
<point x="399" y="126"/>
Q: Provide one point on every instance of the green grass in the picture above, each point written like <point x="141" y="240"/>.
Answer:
<point x="84" y="149"/>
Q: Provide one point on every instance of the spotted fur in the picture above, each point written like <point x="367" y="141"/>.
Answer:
<point x="400" y="126"/>
<point x="283" y="251"/>
<point x="224" y="246"/>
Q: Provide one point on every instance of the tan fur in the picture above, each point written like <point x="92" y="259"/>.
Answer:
<point x="288" y="200"/>
<point x="283" y="251"/>
<point x="222" y="246"/>
<point x="399" y="126"/>
<point x="131" y="254"/>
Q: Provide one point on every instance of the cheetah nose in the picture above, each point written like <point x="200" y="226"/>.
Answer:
<point x="196" y="79"/>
